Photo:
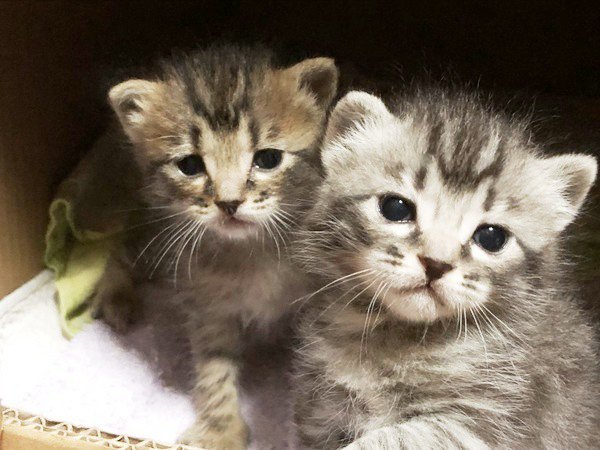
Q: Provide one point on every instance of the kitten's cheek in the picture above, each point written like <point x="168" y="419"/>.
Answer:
<point x="460" y="295"/>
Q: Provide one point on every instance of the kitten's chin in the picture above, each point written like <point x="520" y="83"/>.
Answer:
<point x="420" y="305"/>
<point x="235" y="229"/>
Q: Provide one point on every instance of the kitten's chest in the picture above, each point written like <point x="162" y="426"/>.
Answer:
<point x="257" y="291"/>
<point x="389" y="380"/>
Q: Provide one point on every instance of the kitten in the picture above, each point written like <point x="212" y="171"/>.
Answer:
<point x="445" y="319"/>
<point x="226" y="142"/>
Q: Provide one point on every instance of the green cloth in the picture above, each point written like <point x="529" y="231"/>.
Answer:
<point x="78" y="259"/>
<point x="86" y="217"/>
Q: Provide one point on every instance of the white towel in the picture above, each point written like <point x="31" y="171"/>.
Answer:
<point x="97" y="380"/>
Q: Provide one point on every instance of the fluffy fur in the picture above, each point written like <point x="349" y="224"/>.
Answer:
<point x="227" y="267"/>
<point x="492" y="353"/>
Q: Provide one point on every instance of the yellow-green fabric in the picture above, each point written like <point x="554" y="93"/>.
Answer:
<point x="78" y="259"/>
<point x="87" y="215"/>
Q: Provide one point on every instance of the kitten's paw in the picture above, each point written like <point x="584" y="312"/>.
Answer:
<point x="118" y="309"/>
<point x="228" y="436"/>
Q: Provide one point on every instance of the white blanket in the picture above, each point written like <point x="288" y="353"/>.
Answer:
<point x="97" y="380"/>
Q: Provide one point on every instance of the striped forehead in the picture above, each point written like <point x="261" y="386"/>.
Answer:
<point x="220" y="105"/>
<point x="463" y="153"/>
<point x="226" y="144"/>
<point x="450" y="208"/>
<point x="217" y="86"/>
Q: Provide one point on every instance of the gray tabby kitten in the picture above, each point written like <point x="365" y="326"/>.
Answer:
<point x="445" y="320"/>
<point x="226" y="143"/>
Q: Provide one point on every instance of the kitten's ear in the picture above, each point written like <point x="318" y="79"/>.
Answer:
<point x="354" y="108"/>
<point x="319" y="76"/>
<point x="131" y="101"/>
<point x="573" y="176"/>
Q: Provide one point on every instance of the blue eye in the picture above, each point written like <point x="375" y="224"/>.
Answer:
<point x="490" y="237"/>
<point x="191" y="165"/>
<point x="396" y="209"/>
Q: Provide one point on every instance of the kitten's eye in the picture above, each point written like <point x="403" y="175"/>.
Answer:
<point x="490" y="237"/>
<point x="267" y="159"/>
<point x="191" y="165"/>
<point x="396" y="209"/>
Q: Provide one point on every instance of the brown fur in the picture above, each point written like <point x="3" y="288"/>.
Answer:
<point x="234" y="283"/>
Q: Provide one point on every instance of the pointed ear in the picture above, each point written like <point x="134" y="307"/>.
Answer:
<point x="573" y="175"/>
<point x="354" y="108"/>
<point x="319" y="76"/>
<point x="132" y="100"/>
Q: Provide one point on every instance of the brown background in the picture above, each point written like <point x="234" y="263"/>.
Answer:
<point x="58" y="58"/>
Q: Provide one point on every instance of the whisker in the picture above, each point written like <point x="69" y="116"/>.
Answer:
<point x="466" y="325"/>
<point x="387" y="288"/>
<point x="153" y="239"/>
<point x="282" y="221"/>
<point x="156" y="220"/>
<point x="191" y="234"/>
<point x="195" y="244"/>
<point x="460" y="321"/>
<point x="141" y="208"/>
<point x="167" y="238"/>
<point x="474" y="315"/>
<point x="335" y="302"/>
<point x="330" y="285"/>
<point x="268" y="228"/>
<point x="278" y="231"/>
<point x="510" y="330"/>
<point x="181" y="232"/>
<point x="365" y="327"/>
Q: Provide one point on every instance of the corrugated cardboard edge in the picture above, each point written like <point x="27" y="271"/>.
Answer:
<point x="19" y="431"/>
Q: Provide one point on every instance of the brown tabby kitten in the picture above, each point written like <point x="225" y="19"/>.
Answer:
<point x="445" y="320"/>
<point x="226" y="142"/>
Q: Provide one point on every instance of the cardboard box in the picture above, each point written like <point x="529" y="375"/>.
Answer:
<point x="19" y="431"/>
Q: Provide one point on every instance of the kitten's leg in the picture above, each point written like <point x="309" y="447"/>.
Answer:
<point x="114" y="299"/>
<point x="427" y="432"/>
<point x="219" y="425"/>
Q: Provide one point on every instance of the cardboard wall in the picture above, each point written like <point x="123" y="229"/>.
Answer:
<point x="57" y="58"/>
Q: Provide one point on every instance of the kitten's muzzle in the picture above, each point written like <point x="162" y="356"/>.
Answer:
<point x="229" y="207"/>
<point x="434" y="269"/>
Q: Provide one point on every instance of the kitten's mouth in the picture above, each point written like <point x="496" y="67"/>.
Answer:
<point x="236" y="223"/>
<point x="426" y="289"/>
<point x="419" y="303"/>
<point x="234" y="228"/>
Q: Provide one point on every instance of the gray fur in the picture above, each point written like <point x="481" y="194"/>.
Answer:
<point x="494" y="354"/>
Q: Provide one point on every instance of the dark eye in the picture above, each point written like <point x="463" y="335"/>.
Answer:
<point x="191" y="165"/>
<point x="267" y="159"/>
<point x="396" y="209"/>
<point x="490" y="237"/>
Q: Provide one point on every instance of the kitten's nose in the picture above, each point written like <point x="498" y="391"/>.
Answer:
<point x="229" y="207"/>
<point x="434" y="269"/>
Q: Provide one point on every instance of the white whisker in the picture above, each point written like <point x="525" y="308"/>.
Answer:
<point x="333" y="283"/>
